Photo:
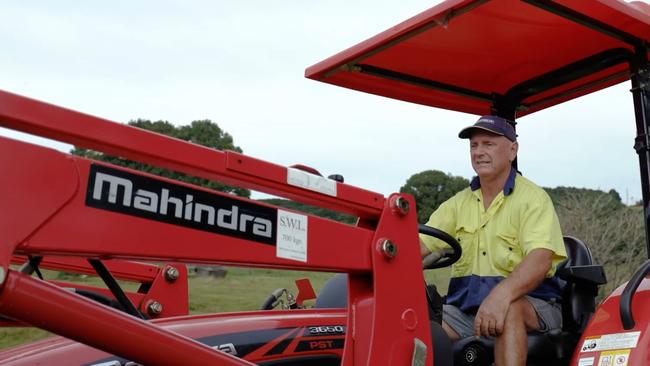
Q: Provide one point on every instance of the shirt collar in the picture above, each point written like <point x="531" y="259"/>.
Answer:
<point x="507" y="188"/>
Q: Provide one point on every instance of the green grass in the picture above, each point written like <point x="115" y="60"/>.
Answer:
<point x="244" y="288"/>
<point x="241" y="289"/>
<point x="14" y="336"/>
<point x="11" y="336"/>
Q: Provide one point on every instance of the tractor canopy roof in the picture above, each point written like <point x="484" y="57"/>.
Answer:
<point x="511" y="57"/>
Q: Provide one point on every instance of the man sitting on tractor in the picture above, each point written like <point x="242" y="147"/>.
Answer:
<point x="503" y="284"/>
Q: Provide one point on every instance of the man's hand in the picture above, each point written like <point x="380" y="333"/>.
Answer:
<point x="526" y="277"/>
<point x="491" y="314"/>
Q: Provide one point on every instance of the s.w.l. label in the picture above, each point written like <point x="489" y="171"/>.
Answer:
<point x="292" y="236"/>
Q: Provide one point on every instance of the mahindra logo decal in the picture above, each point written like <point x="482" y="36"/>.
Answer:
<point x="120" y="191"/>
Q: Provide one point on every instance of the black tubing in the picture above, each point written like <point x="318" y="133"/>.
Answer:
<point x="273" y="297"/>
<point x="31" y="266"/>
<point x="268" y="303"/>
<point x="105" y="300"/>
<point x="627" y="296"/>
<point x="115" y="288"/>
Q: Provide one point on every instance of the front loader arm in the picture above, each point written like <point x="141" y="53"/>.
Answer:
<point x="55" y="204"/>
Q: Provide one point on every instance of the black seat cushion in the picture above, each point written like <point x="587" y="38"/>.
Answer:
<point x="578" y="300"/>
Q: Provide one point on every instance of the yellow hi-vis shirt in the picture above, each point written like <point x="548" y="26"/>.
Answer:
<point x="520" y="219"/>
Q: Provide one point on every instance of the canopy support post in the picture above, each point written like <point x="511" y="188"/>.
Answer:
<point x="641" y="94"/>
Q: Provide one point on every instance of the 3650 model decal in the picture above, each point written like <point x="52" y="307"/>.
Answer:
<point x="120" y="191"/>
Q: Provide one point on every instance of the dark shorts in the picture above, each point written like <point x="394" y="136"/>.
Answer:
<point x="549" y="314"/>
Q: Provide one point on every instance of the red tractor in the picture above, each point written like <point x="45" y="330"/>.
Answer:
<point x="504" y="57"/>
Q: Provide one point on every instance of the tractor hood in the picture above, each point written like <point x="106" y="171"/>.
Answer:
<point x="508" y="56"/>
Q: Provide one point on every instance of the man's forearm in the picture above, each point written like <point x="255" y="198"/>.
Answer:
<point x="527" y="275"/>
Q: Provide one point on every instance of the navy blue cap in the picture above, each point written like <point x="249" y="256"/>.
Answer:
<point x="494" y="124"/>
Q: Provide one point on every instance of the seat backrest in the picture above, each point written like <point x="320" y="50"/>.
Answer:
<point x="577" y="252"/>
<point x="334" y="293"/>
<point x="578" y="300"/>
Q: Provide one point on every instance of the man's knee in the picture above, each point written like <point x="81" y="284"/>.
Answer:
<point x="451" y="333"/>
<point x="522" y="311"/>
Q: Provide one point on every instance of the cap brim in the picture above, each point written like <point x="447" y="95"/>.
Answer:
<point x="466" y="132"/>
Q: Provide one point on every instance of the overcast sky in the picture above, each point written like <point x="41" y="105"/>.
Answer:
<point x="241" y="64"/>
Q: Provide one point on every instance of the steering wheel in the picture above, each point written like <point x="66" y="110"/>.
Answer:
<point x="444" y="257"/>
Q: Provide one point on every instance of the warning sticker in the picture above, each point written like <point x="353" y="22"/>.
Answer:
<point x="610" y="341"/>
<point x="614" y="358"/>
<point x="292" y="236"/>
<point x="587" y="361"/>
<point x="313" y="182"/>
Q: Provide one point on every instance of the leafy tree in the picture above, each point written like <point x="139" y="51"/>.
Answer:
<point x="430" y="188"/>
<point x="614" y="232"/>
<point x="566" y="197"/>
<point x="202" y="132"/>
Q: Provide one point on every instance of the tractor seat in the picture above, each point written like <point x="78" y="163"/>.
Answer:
<point x="580" y="280"/>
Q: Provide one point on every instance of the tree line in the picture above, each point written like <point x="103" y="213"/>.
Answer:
<point x="613" y="231"/>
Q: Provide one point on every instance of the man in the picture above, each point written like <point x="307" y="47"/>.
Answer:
<point x="503" y="284"/>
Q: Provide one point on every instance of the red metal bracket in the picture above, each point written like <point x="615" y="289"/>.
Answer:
<point x="49" y="211"/>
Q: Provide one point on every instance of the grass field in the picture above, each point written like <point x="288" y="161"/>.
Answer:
<point x="241" y="289"/>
